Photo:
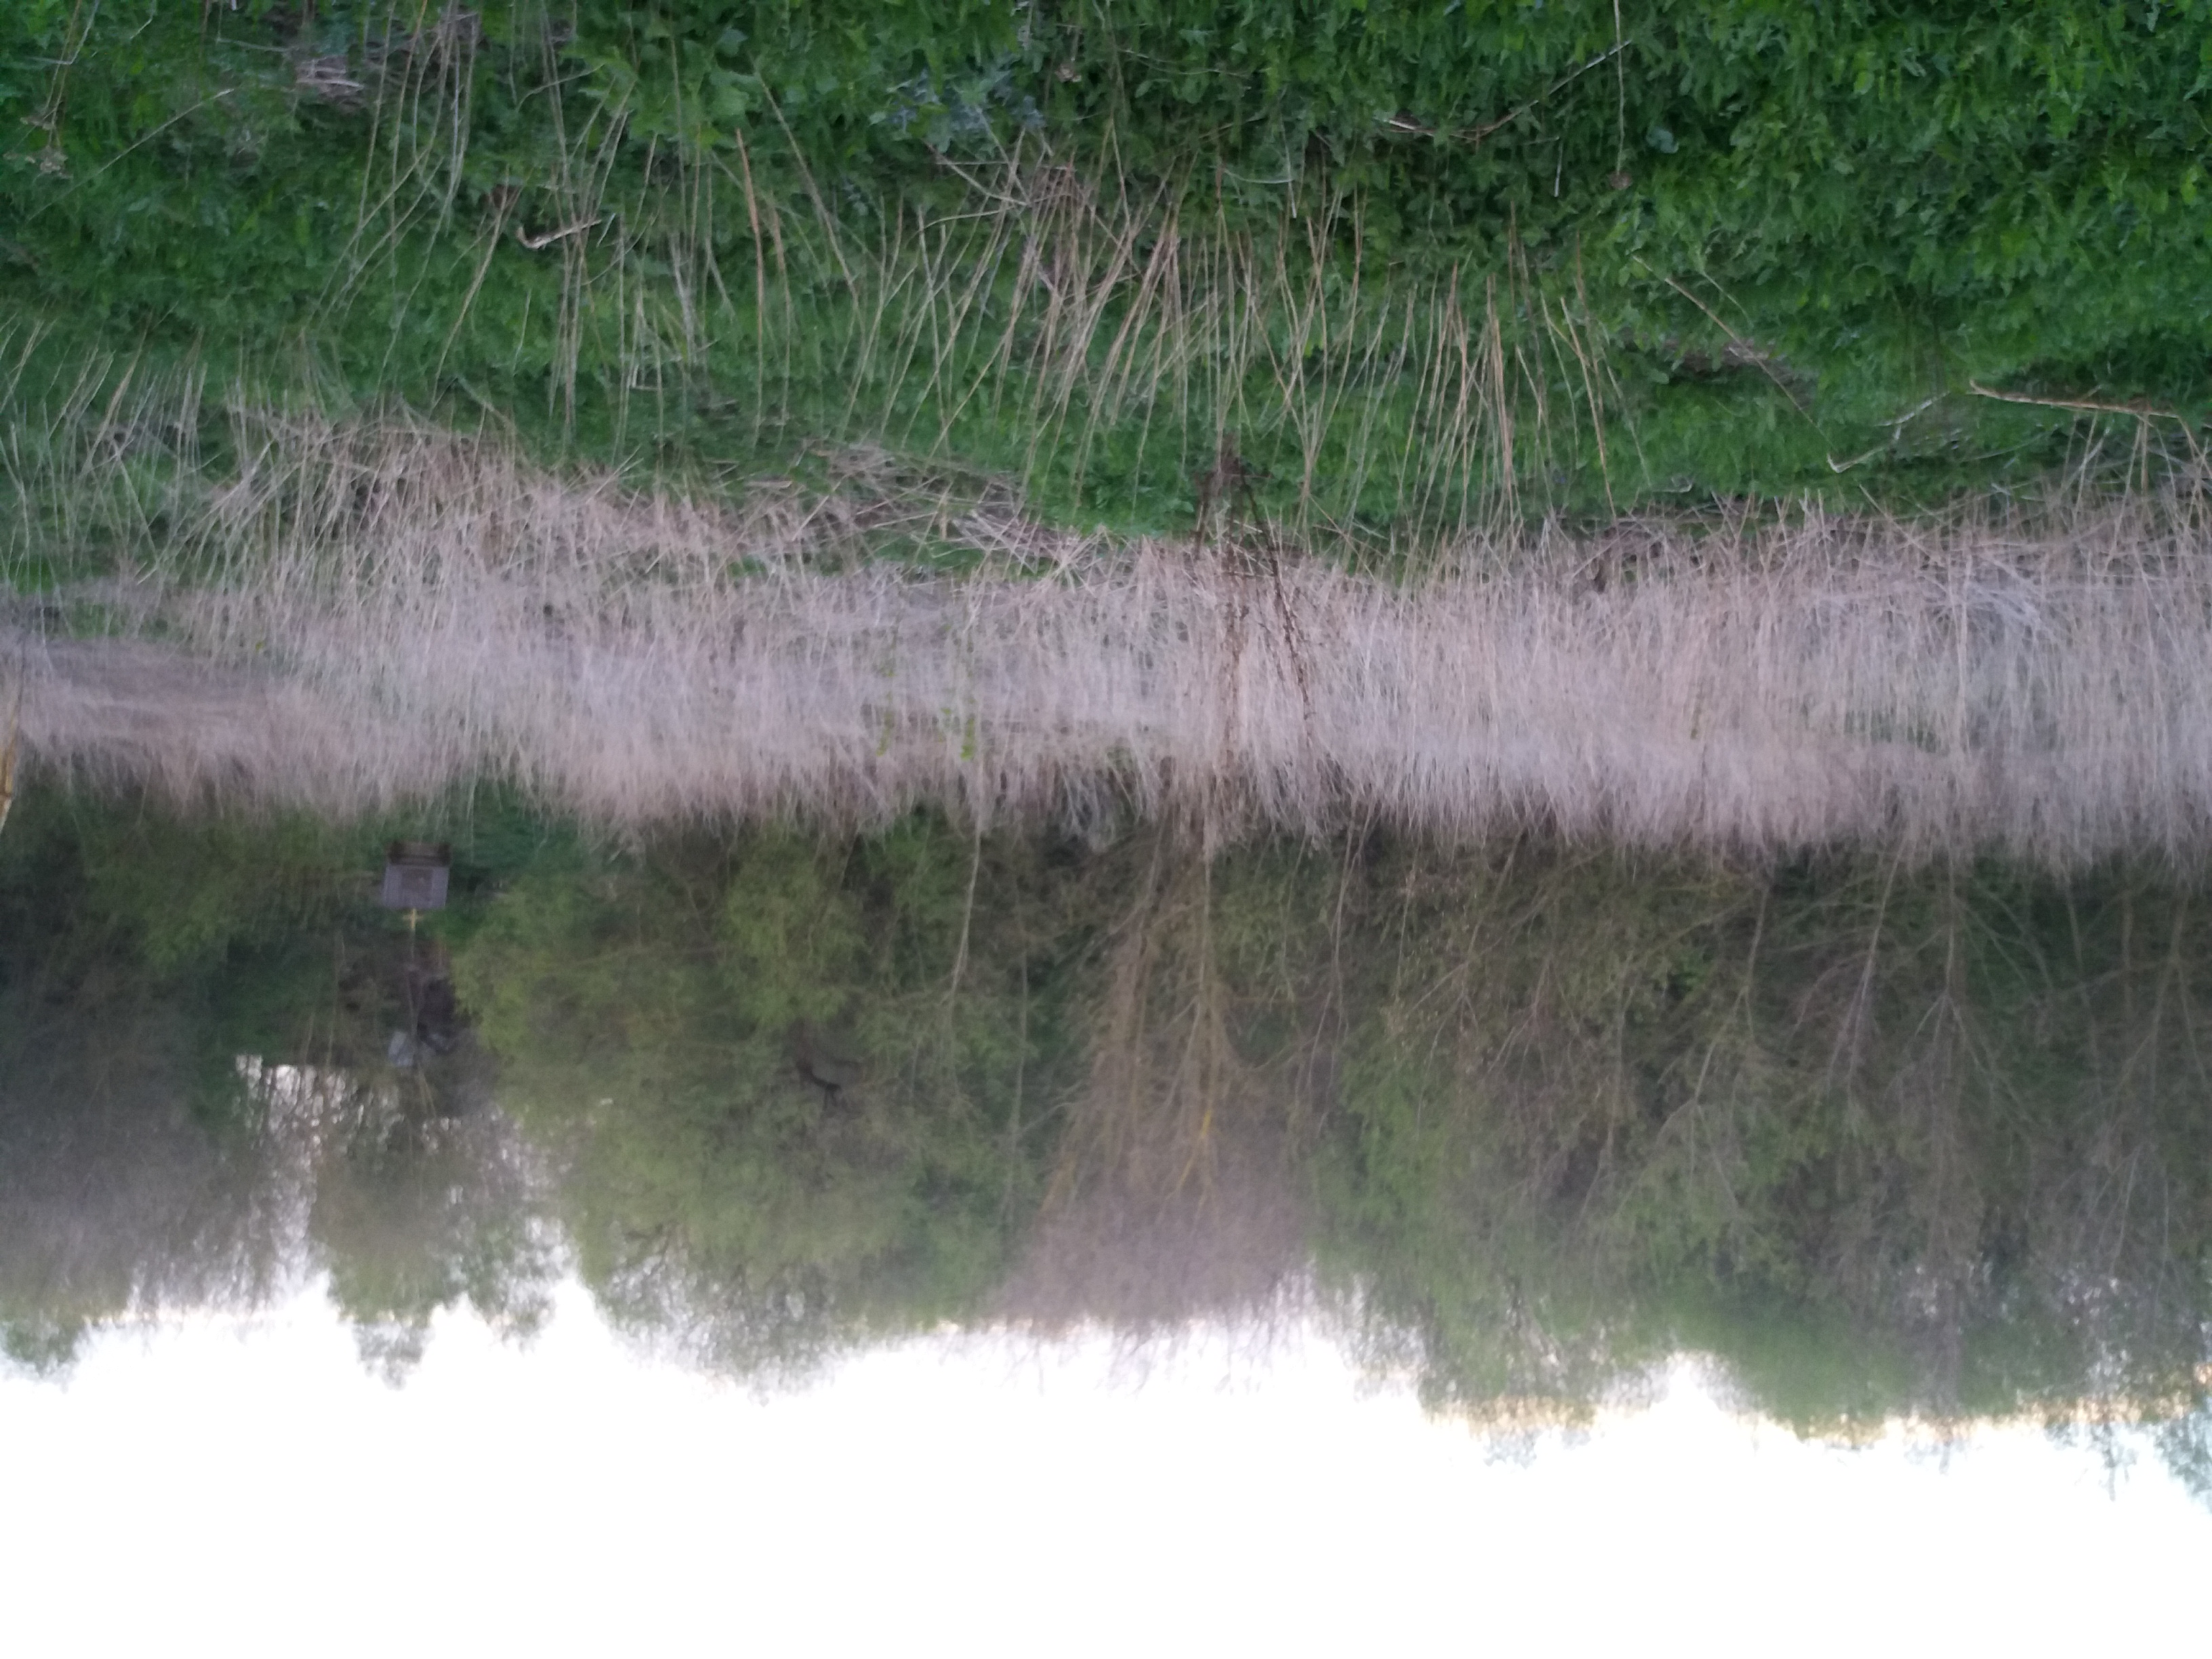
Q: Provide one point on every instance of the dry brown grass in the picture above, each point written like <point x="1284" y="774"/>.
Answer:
<point x="375" y="611"/>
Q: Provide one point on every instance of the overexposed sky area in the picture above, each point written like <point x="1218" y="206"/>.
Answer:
<point x="234" y="1487"/>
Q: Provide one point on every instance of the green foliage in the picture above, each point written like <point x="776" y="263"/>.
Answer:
<point x="794" y="941"/>
<point x="143" y="957"/>
<point x="410" y="1226"/>
<point x="1830" y="1125"/>
<point x="1881" y="1141"/>
<point x="786" y="1079"/>
<point x="722" y="237"/>
<point x="41" y="1345"/>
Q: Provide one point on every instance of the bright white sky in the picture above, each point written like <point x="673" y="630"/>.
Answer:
<point x="248" y="1489"/>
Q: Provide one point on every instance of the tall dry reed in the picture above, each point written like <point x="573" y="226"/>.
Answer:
<point x="368" y="613"/>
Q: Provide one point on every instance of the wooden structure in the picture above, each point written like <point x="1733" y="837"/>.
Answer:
<point x="415" y="873"/>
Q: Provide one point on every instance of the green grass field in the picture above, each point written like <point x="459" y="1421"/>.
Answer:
<point x="1418" y="268"/>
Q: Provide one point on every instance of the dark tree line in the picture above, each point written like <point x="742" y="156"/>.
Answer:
<point x="1526" y="1118"/>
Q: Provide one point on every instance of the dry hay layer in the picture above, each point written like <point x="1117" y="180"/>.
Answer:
<point x="361" y="628"/>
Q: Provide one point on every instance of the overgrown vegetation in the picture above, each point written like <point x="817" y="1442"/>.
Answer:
<point x="1417" y="269"/>
<point x="1525" y="1120"/>
<point x="510" y="381"/>
<point x="197" y="1103"/>
<point x="371" y="613"/>
<point x="1423" y="429"/>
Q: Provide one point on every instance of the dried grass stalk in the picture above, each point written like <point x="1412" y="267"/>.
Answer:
<point x="372" y="613"/>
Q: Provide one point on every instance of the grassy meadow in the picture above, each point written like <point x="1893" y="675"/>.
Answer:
<point x="1427" y="264"/>
<point x="1711" y="425"/>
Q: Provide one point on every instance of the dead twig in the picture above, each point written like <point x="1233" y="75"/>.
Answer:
<point x="1405" y="123"/>
<point x="14" y="747"/>
<point x="2140" y="409"/>
<point x="1751" y="352"/>
<point x="533" y="243"/>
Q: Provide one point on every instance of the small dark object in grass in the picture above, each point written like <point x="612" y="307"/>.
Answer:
<point x="1619" y="180"/>
<point x="414" y="875"/>
<point x="826" y="1073"/>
